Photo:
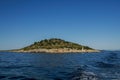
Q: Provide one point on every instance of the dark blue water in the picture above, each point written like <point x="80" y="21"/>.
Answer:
<point x="71" y="66"/>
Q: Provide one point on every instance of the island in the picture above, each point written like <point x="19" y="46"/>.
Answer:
<point x="56" y="45"/>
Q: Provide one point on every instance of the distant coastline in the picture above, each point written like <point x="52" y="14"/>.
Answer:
<point x="55" y="45"/>
<point x="55" y="51"/>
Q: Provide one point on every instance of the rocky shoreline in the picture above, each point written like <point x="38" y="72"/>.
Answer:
<point x="55" y="51"/>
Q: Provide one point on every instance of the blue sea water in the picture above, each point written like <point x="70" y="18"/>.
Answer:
<point x="72" y="66"/>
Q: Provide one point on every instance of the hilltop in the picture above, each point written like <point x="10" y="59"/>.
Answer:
<point x="55" y="45"/>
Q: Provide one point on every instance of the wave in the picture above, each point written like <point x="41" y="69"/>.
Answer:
<point x="81" y="74"/>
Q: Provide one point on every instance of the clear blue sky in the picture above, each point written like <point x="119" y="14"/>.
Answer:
<point x="95" y="23"/>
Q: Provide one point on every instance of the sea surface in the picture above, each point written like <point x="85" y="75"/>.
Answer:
<point x="72" y="66"/>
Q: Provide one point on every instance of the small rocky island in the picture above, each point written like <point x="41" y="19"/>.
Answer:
<point x="55" y="45"/>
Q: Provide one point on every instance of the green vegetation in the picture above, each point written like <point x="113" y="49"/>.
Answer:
<point x="55" y="43"/>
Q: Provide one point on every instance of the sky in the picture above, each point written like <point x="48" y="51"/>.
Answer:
<point x="94" y="23"/>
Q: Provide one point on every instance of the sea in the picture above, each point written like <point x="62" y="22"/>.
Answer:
<point x="104" y="65"/>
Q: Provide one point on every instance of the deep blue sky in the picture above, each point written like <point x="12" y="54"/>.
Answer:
<point x="95" y="23"/>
